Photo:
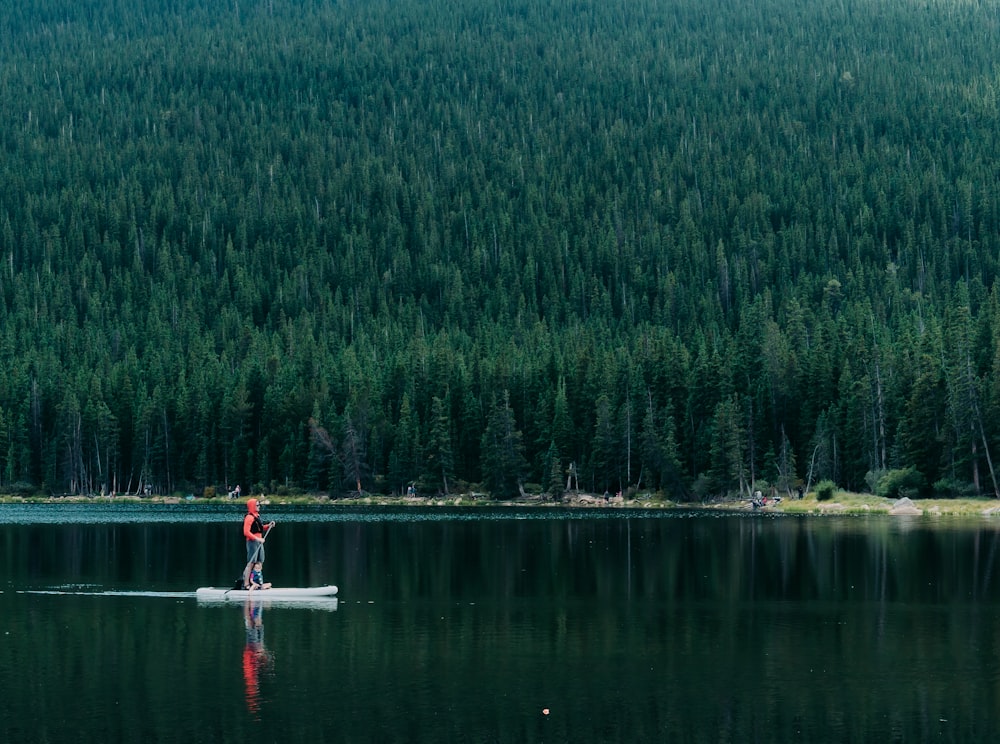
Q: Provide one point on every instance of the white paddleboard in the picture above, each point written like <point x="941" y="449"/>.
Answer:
<point x="286" y="593"/>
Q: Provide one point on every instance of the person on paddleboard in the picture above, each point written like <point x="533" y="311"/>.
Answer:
<point x="255" y="531"/>
<point x="257" y="577"/>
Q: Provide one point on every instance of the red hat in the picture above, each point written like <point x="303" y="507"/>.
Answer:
<point x="253" y="506"/>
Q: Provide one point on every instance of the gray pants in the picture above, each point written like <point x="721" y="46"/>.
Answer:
<point x="255" y="551"/>
<point x="255" y="554"/>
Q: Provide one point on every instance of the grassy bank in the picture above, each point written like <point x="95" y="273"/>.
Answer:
<point x="842" y="503"/>
<point x="864" y="503"/>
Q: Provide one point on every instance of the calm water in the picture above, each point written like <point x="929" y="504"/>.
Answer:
<point x="459" y="626"/>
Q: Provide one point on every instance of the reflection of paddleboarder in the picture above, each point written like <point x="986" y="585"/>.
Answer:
<point x="255" y="657"/>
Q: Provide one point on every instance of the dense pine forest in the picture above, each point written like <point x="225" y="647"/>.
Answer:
<point x="688" y="247"/>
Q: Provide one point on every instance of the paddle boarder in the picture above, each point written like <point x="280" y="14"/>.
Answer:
<point x="255" y="531"/>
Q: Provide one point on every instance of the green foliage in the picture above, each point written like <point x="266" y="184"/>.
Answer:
<point x="894" y="484"/>
<point x="953" y="489"/>
<point x="825" y="490"/>
<point x="309" y="244"/>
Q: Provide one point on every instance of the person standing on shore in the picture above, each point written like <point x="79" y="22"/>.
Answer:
<point x="254" y="531"/>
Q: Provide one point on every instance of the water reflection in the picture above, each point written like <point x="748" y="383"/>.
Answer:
<point x="257" y="660"/>
<point x="633" y="628"/>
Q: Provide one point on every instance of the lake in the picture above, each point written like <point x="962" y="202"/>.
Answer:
<point x="498" y="625"/>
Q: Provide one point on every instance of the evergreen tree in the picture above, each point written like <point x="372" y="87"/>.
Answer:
<point x="555" y="471"/>
<point x="502" y="451"/>
<point x="403" y="461"/>
<point x="354" y="455"/>
<point x="563" y="429"/>
<point x="605" y="447"/>
<point x="651" y="449"/>
<point x="438" y="459"/>
<point x="729" y="472"/>
<point x="320" y="452"/>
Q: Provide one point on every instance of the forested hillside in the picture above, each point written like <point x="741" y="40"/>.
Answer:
<point x="688" y="246"/>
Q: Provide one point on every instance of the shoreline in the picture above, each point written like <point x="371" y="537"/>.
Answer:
<point x="843" y="504"/>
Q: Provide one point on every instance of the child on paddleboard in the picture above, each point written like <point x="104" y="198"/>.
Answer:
<point x="257" y="577"/>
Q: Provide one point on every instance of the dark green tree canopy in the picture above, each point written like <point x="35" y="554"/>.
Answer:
<point x="310" y="245"/>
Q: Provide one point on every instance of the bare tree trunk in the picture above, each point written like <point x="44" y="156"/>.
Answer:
<point x="879" y="414"/>
<point x="982" y="433"/>
<point x="166" y="452"/>
<point x="880" y="420"/>
<point x="751" y="445"/>
<point x="989" y="460"/>
<point x="812" y="464"/>
<point x="628" y="443"/>
<point x="97" y="456"/>
<point x="975" y="461"/>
